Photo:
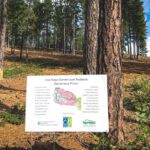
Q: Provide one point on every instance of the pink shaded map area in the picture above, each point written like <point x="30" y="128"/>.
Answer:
<point x="64" y="97"/>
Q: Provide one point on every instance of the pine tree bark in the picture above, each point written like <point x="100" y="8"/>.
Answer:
<point x="64" y="50"/>
<point x="74" y="34"/>
<point x="138" y="50"/>
<point x="130" y="41"/>
<point x="109" y="62"/>
<point x="2" y="35"/>
<point x="47" y="35"/>
<point x="91" y="36"/>
<point x="134" y="53"/>
<point x="21" y="47"/>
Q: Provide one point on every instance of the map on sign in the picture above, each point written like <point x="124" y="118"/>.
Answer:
<point x="64" y="97"/>
<point x="67" y="103"/>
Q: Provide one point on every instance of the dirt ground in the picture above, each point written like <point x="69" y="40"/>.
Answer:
<point x="13" y="91"/>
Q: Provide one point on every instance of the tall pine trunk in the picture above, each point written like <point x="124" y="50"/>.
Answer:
<point x="138" y="50"/>
<point x="64" y="36"/>
<point x="91" y="36"/>
<point x="2" y="34"/>
<point x="21" y="46"/>
<point x="64" y="41"/>
<point x="134" y="51"/>
<point x="74" y="34"/>
<point x="27" y="49"/>
<point x="47" y="36"/>
<point x="130" y="39"/>
<point x="128" y="45"/>
<point x="109" y="62"/>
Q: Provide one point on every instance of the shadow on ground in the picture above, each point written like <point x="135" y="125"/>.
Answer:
<point x="136" y="67"/>
<point x="76" y="62"/>
<point x="12" y="109"/>
<point x="12" y="148"/>
<point x="38" y="146"/>
<point x="42" y="146"/>
<point x="52" y="146"/>
<point x="55" y="61"/>
<point x="4" y="107"/>
<point x="9" y="89"/>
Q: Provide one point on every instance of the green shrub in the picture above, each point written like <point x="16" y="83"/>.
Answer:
<point x="141" y="141"/>
<point x="140" y="98"/>
<point x="11" y="118"/>
<point x="103" y="142"/>
<point x="139" y="101"/>
<point x="15" y="115"/>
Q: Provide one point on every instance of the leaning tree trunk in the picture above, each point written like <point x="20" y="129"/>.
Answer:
<point x="91" y="37"/>
<point x="109" y="62"/>
<point x="2" y="35"/>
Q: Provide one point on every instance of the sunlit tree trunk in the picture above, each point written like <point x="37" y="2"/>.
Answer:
<point x="130" y="41"/>
<point x="64" y="50"/>
<point x="109" y="62"/>
<point x="74" y="34"/>
<point x="91" y="36"/>
<point x="134" y="50"/>
<point x="2" y="34"/>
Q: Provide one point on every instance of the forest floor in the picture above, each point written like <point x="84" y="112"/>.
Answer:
<point x="13" y="92"/>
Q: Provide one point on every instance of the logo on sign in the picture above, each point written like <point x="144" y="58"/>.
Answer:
<point x="67" y="122"/>
<point x="89" y="123"/>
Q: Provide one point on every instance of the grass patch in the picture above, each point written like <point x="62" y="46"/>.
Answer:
<point x="11" y="118"/>
<point x="15" y="115"/>
<point x="23" y="68"/>
<point x="11" y="72"/>
<point x="32" y="68"/>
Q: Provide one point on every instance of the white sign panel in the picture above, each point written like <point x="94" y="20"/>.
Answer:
<point x="67" y="103"/>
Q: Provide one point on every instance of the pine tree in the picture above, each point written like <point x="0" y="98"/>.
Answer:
<point x="21" y="23"/>
<point x="109" y="62"/>
<point x="103" y="56"/>
<point x="134" y="27"/>
<point x="91" y="36"/>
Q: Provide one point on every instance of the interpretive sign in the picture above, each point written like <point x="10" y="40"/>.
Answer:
<point x="67" y="103"/>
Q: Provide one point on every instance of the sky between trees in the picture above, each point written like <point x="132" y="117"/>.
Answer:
<point x="147" y="17"/>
